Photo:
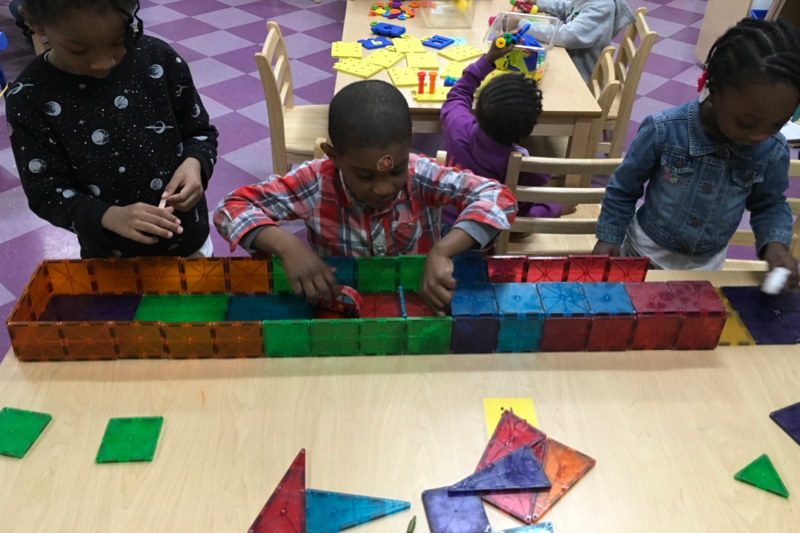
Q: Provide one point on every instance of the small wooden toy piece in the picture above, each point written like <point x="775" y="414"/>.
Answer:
<point x="341" y="49"/>
<point x="421" y="87"/>
<point x="432" y="86"/>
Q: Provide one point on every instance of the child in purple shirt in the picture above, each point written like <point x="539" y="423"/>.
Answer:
<point x="506" y="113"/>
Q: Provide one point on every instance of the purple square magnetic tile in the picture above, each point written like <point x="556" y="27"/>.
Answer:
<point x="788" y="419"/>
<point x="197" y="7"/>
<point x="182" y="28"/>
<point x="90" y="307"/>
<point x="218" y="42"/>
<point x="675" y="15"/>
<point x="666" y="66"/>
<point x="449" y="513"/>
<point x="474" y="335"/>
<point x="749" y="301"/>
<point x="767" y="329"/>
<point x="236" y="93"/>
<point x="792" y="322"/>
<point x="673" y="92"/>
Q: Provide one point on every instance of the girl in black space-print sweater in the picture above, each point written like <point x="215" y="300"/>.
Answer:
<point x="105" y="126"/>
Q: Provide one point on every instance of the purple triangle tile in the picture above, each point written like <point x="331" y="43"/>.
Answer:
<point x="519" y="470"/>
<point x="788" y="419"/>
<point x="450" y="513"/>
<point x="768" y="329"/>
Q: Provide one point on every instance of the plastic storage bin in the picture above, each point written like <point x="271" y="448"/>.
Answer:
<point x="448" y="13"/>
<point x="530" y="54"/>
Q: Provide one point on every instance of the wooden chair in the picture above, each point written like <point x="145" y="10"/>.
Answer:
<point x="748" y="238"/>
<point x="293" y="129"/>
<point x="629" y="66"/>
<point x="570" y="234"/>
<point x="318" y="153"/>
<point x="40" y="46"/>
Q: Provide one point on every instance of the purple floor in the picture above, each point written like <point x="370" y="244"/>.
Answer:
<point x="218" y="38"/>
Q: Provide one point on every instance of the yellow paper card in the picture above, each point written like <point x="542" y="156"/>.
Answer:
<point x="494" y="407"/>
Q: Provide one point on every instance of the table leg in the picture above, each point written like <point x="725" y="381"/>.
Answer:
<point x="578" y="145"/>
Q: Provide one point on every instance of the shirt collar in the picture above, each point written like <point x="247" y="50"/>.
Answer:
<point x="700" y="144"/>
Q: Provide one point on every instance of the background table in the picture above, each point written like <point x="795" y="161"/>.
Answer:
<point x="668" y="429"/>
<point x="568" y="105"/>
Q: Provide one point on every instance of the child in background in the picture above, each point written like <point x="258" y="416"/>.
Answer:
<point x="506" y="112"/>
<point x="107" y="125"/>
<point x="708" y="160"/>
<point x="368" y="197"/>
<point x="588" y="27"/>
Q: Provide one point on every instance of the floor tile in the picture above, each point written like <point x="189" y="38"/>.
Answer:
<point x="302" y="45"/>
<point x="197" y="7"/>
<point x="214" y="108"/>
<point x="183" y="28"/>
<point x="239" y="132"/>
<point x="18" y="219"/>
<point x="645" y="106"/>
<point x="255" y="159"/>
<point x="237" y="93"/>
<point x="208" y="71"/>
<point x="673" y="93"/>
<point x="256" y="32"/>
<point x="664" y="28"/>
<point x="242" y="60"/>
<point x="648" y="82"/>
<point x="675" y="15"/>
<point x="321" y="60"/>
<point x="158" y="15"/>
<point x="257" y="112"/>
<point x="675" y="49"/>
<point x="304" y="74"/>
<point x="696" y="6"/>
<point x="302" y="20"/>
<point x="666" y="66"/>
<point x="227" y="18"/>
<point x="218" y="42"/>
<point x="687" y="35"/>
<point x="689" y="76"/>
<point x="320" y="92"/>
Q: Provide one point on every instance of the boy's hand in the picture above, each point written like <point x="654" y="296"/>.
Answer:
<point x="438" y="283"/>
<point x="309" y="275"/>
<point x="185" y="188"/>
<point x="606" y="248"/>
<point x="776" y="255"/>
<point x="141" y="222"/>
<point x="496" y="52"/>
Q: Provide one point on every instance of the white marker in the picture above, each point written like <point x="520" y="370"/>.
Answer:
<point x="775" y="281"/>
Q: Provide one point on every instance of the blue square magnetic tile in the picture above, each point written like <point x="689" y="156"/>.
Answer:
<point x="470" y="267"/>
<point x="608" y="299"/>
<point x="474" y="335"/>
<point x="768" y="329"/>
<point x="91" y="307"/>
<point x="520" y="334"/>
<point x="474" y="300"/>
<point x="276" y="306"/>
<point x="563" y="299"/>
<point x="518" y="299"/>
<point x="345" y="269"/>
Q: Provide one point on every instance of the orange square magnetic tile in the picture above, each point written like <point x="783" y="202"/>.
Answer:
<point x="37" y="342"/>
<point x="205" y="276"/>
<point x="239" y="339"/>
<point x="160" y="275"/>
<point x="38" y="290"/>
<point x="139" y="340"/>
<point x="248" y="276"/>
<point x="564" y="467"/>
<point x="189" y="340"/>
<point x="69" y="277"/>
<point x="115" y="276"/>
<point x="88" y="341"/>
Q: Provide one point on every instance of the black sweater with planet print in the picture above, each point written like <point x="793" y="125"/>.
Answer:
<point x="84" y="144"/>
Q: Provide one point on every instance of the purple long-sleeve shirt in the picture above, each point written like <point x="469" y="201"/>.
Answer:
<point x="468" y="147"/>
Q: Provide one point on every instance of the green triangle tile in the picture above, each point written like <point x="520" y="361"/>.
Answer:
<point x="760" y="473"/>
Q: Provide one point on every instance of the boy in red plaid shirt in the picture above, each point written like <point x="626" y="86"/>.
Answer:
<point x="368" y="197"/>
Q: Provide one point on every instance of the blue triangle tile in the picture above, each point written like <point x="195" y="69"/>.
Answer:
<point x="331" y="512"/>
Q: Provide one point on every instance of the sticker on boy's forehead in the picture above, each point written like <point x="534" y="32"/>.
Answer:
<point x="386" y="163"/>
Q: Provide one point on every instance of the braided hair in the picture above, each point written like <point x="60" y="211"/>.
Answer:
<point x="754" y="50"/>
<point x="48" y="11"/>
<point x="508" y="108"/>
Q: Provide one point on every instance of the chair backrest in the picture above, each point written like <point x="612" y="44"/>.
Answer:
<point x="559" y="195"/>
<point x="276" y="79"/>
<point x="629" y="66"/>
<point x="318" y="153"/>
<point x="604" y="86"/>
<point x="748" y="238"/>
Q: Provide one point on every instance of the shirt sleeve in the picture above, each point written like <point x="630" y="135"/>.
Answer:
<point x="457" y="109"/>
<point x="627" y="185"/>
<point x="770" y="214"/>
<point x="587" y="29"/>
<point x="481" y="201"/>
<point x="556" y="8"/>
<point x="199" y="136"/>
<point x="47" y="175"/>
<point x="290" y="197"/>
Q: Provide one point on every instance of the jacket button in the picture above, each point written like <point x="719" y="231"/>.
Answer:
<point x="706" y="188"/>
<point x="695" y="223"/>
<point x="679" y="164"/>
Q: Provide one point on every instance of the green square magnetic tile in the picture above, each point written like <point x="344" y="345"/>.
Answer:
<point x="334" y="337"/>
<point x="377" y="274"/>
<point x="127" y="440"/>
<point x="410" y="269"/>
<point x="383" y="336"/>
<point x="19" y="429"/>
<point x="278" y="276"/>
<point x="429" y="335"/>
<point x="286" y="338"/>
<point x="182" y="308"/>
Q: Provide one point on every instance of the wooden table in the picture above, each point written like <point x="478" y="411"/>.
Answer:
<point x="668" y="430"/>
<point x="569" y="106"/>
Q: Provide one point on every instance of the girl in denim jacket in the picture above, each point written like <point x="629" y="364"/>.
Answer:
<point x="708" y="160"/>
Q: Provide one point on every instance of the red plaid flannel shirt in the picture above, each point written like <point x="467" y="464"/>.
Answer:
<point x="340" y="225"/>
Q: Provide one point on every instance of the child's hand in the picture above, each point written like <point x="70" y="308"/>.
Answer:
<point x="308" y="274"/>
<point x="141" y="222"/>
<point x="606" y="248"/>
<point x="185" y="188"/>
<point x="495" y="52"/>
<point x="776" y="255"/>
<point x="438" y="283"/>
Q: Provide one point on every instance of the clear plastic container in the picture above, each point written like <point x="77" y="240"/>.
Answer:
<point x="448" y="13"/>
<point x="530" y="54"/>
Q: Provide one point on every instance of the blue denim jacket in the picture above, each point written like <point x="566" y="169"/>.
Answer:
<point x="697" y="189"/>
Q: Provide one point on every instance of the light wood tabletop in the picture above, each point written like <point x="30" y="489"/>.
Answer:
<point x="568" y="105"/>
<point x="668" y="430"/>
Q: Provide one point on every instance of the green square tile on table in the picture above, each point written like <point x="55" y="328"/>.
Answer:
<point x="429" y="335"/>
<point x="377" y="274"/>
<point x="383" y="336"/>
<point x="128" y="440"/>
<point x="182" y="308"/>
<point x="286" y="338"/>
<point x="410" y="269"/>
<point x="19" y="429"/>
<point x="334" y="337"/>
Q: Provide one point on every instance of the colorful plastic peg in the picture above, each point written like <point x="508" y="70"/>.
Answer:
<point x="421" y="88"/>
<point x="432" y="86"/>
